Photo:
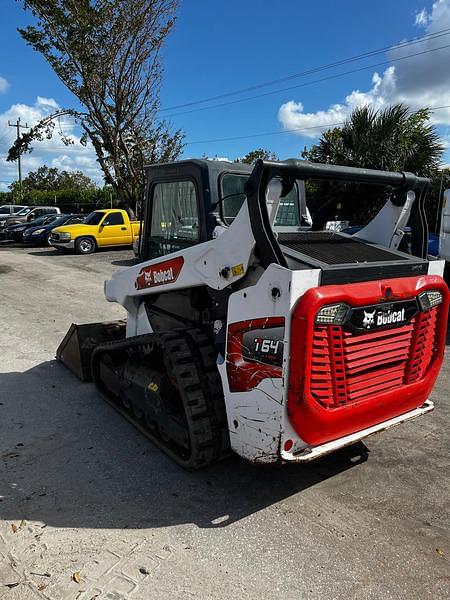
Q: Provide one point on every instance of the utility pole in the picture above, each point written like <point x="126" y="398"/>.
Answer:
<point x="18" y="126"/>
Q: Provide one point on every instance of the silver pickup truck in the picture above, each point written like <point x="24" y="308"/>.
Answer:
<point x="26" y="214"/>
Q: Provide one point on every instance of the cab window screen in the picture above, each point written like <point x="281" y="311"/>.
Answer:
<point x="175" y="221"/>
<point x="233" y="194"/>
<point x="288" y="214"/>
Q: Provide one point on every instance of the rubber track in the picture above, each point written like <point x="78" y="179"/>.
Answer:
<point x="190" y="361"/>
<point x="202" y="347"/>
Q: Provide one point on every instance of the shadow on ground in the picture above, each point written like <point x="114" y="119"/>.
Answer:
<point x="129" y="262"/>
<point x="70" y="460"/>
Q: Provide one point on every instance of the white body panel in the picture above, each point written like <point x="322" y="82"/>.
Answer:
<point x="436" y="267"/>
<point x="203" y="264"/>
<point x="386" y="228"/>
<point x="258" y="419"/>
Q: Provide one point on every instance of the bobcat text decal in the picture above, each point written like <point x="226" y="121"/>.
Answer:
<point x="159" y="274"/>
<point x="383" y="318"/>
<point x="389" y="314"/>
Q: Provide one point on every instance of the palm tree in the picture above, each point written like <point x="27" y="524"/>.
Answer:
<point x="390" y="139"/>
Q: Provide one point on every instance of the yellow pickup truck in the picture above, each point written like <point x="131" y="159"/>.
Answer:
<point x="100" y="229"/>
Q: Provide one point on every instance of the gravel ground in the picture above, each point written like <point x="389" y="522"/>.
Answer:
<point x="90" y="509"/>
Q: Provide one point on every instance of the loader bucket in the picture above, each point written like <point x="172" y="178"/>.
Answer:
<point x="75" y="351"/>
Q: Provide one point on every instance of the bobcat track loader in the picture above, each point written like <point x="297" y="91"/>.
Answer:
<point x="247" y="330"/>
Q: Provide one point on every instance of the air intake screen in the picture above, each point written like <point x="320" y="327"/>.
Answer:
<point x="334" y="249"/>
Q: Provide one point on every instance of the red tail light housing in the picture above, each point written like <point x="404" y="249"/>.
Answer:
<point x="343" y="378"/>
<point x="254" y="352"/>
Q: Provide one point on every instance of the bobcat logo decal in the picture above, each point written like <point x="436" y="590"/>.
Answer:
<point x="369" y="319"/>
<point x="384" y="315"/>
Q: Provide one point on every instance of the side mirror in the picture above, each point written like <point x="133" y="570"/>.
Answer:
<point x="31" y="217"/>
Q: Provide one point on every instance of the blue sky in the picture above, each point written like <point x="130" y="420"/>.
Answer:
<point x="218" y="47"/>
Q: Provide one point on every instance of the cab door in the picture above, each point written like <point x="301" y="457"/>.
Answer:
<point x="174" y="223"/>
<point x="113" y="231"/>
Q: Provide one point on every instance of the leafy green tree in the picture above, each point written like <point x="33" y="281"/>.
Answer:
<point x="252" y="156"/>
<point x="66" y="199"/>
<point x="49" y="185"/>
<point x="75" y="180"/>
<point x="108" y="54"/>
<point x="45" y="178"/>
<point x="391" y="139"/>
<point x="52" y="179"/>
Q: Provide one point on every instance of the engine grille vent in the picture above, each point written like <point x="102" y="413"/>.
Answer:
<point x="348" y="367"/>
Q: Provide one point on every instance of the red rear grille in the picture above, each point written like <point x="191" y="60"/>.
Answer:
<point x="347" y="367"/>
<point x="424" y="346"/>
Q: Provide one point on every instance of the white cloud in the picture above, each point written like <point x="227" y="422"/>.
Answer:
<point x="422" y="17"/>
<point x="53" y="152"/>
<point x="4" y="85"/>
<point x="215" y="157"/>
<point x="417" y="82"/>
<point x="47" y="102"/>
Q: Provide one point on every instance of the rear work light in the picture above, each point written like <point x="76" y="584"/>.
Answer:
<point x="254" y="352"/>
<point x="332" y="314"/>
<point x="429" y="299"/>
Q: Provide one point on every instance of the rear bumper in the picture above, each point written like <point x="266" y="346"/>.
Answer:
<point x="312" y="453"/>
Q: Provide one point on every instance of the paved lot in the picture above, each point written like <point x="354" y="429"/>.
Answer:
<point x="81" y="491"/>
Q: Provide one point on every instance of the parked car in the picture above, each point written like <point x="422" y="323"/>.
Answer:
<point x="27" y="214"/>
<point x="100" y="229"/>
<point x="16" y="230"/>
<point x="40" y="235"/>
<point x="10" y="209"/>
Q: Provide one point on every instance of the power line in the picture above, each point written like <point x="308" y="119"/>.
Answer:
<point x="307" y="83"/>
<point x="253" y="135"/>
<point x="357" y="57"/>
